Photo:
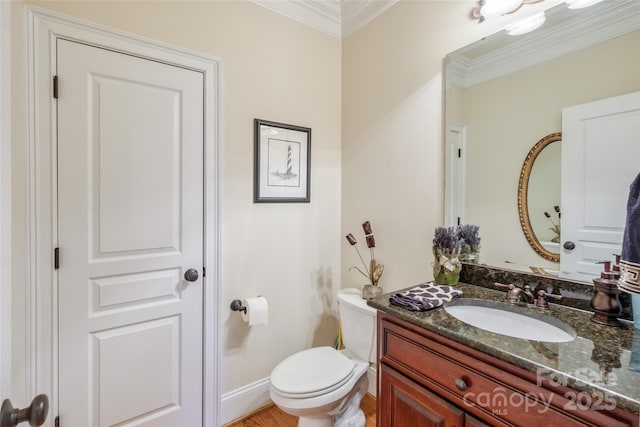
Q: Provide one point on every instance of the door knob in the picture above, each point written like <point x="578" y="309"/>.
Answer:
<point x="569" y="246"/>
<point x="35" y="414"/>
<point x="191" y="275"/>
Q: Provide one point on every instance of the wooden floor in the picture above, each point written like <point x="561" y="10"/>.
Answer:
<point x="272" y="416"/>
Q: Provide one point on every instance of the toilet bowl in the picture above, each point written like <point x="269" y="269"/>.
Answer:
<point x="324" y="386"/>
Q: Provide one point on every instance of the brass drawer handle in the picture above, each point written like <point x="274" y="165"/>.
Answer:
<point x="460" y="384"/>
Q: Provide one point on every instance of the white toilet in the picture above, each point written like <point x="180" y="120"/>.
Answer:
<point x="324" y="386"/>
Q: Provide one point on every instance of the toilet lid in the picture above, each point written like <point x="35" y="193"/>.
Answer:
<point x="312" y="372"/>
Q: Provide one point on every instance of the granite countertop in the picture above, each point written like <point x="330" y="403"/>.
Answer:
<point x="595" y="363"/>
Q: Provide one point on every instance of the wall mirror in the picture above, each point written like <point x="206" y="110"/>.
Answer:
<point x="504" y="94"/>
<point x="539" y="197"/>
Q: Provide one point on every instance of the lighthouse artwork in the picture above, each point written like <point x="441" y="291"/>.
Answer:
<point x="282" y="163"/>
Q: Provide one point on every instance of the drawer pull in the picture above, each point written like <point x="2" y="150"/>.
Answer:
<point x="460" y="384"/>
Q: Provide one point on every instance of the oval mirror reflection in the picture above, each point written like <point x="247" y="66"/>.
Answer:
<point x="544" y="197"/>
<point x="539" y="197"/>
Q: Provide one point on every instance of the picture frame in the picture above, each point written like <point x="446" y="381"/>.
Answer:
<point x="282" y="163"/>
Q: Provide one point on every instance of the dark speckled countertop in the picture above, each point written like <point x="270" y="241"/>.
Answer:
<point x="595" y="363"/>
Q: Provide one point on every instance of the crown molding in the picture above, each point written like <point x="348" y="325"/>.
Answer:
<point x="613" y="19"/>
<point x="337" y="18"/>
<point x="357" y="14"/>
<point x="320" y="15"/>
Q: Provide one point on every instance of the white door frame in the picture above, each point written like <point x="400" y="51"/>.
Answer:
<point x="43" y="27"/>
<point x="455" y="166"/>
<point x="5" y="200"/>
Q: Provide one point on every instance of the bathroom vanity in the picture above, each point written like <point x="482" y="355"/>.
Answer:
<point x="435" y="370"/>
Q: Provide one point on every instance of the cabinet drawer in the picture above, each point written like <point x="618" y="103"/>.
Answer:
<point x="477" y="386"/>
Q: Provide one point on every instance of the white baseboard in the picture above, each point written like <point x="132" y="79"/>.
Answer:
<point x="244" y="400"/>
<point x="373" y="378"/>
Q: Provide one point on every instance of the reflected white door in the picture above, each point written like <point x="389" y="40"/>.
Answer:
<point x="130" y="223"/>
<point x="600" y="158"/>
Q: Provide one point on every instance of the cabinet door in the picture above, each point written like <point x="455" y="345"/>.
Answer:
<point x="470" y="421"/>
<point x="405" y="403"/>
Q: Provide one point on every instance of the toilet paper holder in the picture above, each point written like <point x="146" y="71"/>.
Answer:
<point x="236" y="305"/>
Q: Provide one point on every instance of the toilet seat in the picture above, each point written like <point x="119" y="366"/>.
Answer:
<point x="311" y="373"/>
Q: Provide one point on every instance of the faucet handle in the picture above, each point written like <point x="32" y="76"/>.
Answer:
<point x="541" y="300"/>
<point x="513" y="293"/>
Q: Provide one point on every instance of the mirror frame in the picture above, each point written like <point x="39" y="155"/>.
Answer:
<point x="523" y="189"/>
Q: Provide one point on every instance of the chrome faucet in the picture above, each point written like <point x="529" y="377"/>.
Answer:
<point x="516" y="294"/>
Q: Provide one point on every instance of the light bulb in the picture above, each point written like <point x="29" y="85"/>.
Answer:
<point x="526" y="25"/>
<point x="499" y="7"/>
<point x="579" y="4"/>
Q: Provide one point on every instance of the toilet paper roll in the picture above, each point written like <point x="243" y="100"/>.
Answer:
<point x="257" y="311"/>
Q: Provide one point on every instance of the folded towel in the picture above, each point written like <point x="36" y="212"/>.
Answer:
<point x="630" y="257"/>
<point x="424" y="297"/>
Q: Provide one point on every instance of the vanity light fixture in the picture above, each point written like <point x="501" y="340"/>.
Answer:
<point x="493" y="8"/>
<point x="579" y="4"/>
<point x="526" y="25"/>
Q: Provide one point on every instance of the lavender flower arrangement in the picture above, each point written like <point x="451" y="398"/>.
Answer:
<point x="374" y="270"/>
<point x="470" y="238"/>
<point x="446" y="249"/>
<point x="446" y="241"/>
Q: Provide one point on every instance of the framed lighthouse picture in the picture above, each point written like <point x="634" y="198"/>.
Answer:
<point x="282" y="163"/>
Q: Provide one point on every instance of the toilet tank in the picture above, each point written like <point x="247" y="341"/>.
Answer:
<point x="358" y="323"/>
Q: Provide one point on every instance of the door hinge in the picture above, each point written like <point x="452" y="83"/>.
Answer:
<point x="458" y="220"/>
<point x="56" y="422"/>
<point x="55" y="87"/>
<point x="459" y="152"/>
<point x="204" y="272"/>
<point x="56" y="258"/>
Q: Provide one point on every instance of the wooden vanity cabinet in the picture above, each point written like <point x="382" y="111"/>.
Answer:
<point x="425" y="379"/>
<point x="408" y="403"/>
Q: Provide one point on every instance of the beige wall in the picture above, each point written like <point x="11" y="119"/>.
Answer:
<point x="272" y="68"/>
<point x="499" y="136"/>
<point x="376" y="113"/>
<point x="392" y="158"/>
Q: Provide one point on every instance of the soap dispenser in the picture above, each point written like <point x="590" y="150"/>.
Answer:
<point x="606" y="297"/>
<point x="616" y="267"/>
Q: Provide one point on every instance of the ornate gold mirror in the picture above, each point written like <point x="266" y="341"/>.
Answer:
<point x="539" y="197"/>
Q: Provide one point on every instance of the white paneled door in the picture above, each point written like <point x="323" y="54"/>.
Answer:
<point x="130" y="224"/>
<point x="600" y="158"/>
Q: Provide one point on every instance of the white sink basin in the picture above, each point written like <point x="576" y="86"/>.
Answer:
<point x="510" y="320"/>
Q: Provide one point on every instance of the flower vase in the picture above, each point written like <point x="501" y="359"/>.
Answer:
<point x="469" y="253"/>
<point x="446" y="268"/>
<point x="469" y="257"/>
<point x="370" y="291"/>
